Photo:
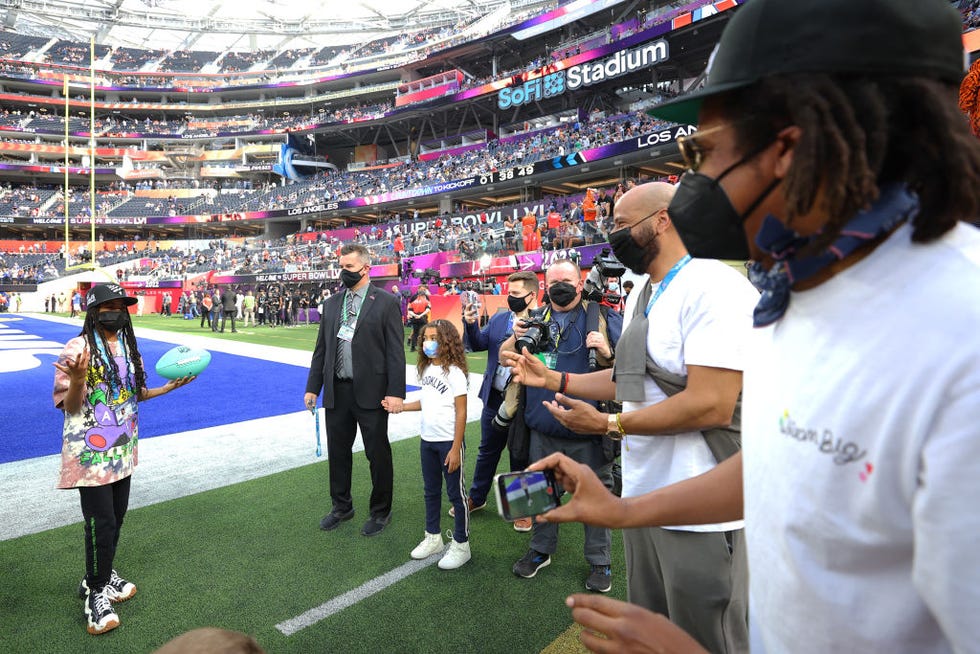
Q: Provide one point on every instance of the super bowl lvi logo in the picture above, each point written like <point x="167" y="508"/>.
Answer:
<point x="19" y="350"/>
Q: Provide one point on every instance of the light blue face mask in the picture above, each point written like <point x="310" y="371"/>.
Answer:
<point x="431" y="348"/>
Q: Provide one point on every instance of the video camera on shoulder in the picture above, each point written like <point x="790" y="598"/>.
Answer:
<point x="604" y="267"/>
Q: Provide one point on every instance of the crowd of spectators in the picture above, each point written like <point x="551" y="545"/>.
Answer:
<point x="29" y="268"/>
<point x="519" y="150"/>
<point x="74" y="53"/>
<point x="117" y="125"/>
<point x="235" y="62"/>
<point x="14" y="46"/>
<point x="187" y="61"/>
<point x="287" y="58"/>
<point x="126" y="60"/>
<point x="971" y="14"/>
<point x="133" y="59"/>
<point x="183" y="60"/>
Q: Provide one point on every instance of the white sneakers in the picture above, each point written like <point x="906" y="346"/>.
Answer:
<point x="431" y="544"/>
<point x="455" y="556"/>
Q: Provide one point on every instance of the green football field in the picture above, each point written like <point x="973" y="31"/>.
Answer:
<point x="250" y="556"/>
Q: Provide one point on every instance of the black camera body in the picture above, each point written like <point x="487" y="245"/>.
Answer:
<point x="538" y="335"/>
<point x="605" y="266"/>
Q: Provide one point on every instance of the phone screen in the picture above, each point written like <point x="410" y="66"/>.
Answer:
<point x="525" y="494"/>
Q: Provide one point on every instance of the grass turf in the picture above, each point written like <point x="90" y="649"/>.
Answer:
<point x="248" y="556"/>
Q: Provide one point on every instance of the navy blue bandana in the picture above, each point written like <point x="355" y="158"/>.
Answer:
<point x="895" y="205"/>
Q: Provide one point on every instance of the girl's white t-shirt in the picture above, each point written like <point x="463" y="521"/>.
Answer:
<point x="438" y="398"/>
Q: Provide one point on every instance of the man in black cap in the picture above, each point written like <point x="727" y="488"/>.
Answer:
<point x="831" y="152"/>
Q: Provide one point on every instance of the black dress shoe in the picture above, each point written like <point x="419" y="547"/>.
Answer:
<point x="375" y="526"/>
<point x="332" y="520"/>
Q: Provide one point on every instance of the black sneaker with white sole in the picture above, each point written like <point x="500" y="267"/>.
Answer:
<point x="530" y="563"/>
<point x="600" y="579"/>
<point x="116" y="590"/>
<point x="99" y="615"/>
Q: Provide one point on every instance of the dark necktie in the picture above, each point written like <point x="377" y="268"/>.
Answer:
<point x="343" y="348"/>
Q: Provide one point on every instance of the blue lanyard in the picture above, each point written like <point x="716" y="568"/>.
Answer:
<point x="316" y="415"/>
<point x="666" y="281"/>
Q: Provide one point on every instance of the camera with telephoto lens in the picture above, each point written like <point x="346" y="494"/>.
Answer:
<point x="604" y="267"/>
<point x="538" y="335"/>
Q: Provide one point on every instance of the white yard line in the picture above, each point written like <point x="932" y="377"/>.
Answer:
<point x="352" y="597"/>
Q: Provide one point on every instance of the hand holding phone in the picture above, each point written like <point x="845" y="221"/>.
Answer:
<point x="469" y="313"/>
<point x="525" y="494"/>
<point x="592" y="503"/>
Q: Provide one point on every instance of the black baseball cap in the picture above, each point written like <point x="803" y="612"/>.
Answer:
<point x="922" y="38"/>
<point x="102" y="293"/>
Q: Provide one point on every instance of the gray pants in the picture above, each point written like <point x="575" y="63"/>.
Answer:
<point x="698" y="580"/>
<point x="587" y="451"/>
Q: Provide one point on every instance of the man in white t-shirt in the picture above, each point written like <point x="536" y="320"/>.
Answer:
<point x="694" y="323"/>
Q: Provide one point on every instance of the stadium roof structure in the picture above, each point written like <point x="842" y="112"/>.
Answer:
<point x="236" y="25"/>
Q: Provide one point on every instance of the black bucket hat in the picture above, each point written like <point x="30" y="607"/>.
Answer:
<point x="104" y="292"/>
<point x="921" y="38"/>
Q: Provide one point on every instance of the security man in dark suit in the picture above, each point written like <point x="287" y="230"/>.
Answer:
<point x="358" y="361"/>
<point x="228" y="308"/>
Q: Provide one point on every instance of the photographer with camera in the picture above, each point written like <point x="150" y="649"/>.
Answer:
<point x="558" y="334"/>
<point x="522" y="297"/>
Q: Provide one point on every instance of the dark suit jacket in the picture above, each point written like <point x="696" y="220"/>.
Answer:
<point x="490" y="338"/>
<point x="377" y="350"/>
<point x="228" y="300"/>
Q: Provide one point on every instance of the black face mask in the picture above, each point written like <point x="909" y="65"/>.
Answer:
<point x="518" y="304"/>
<point x="114" y="320"/>
<point x="562" y="293"/>
<point x="350" y="278"/>
<point x="632" y="254"/>
<point x="705" y="219"/>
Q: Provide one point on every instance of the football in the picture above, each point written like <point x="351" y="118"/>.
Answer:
<point x="182" y="361"/>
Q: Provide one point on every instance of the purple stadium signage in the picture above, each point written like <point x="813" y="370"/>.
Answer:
<point x="533" y="261"/>
<point x="329" y="274"/>
<point x="157" y="283"/>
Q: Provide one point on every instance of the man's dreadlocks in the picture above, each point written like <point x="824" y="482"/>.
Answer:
<point x="859" y="133"/>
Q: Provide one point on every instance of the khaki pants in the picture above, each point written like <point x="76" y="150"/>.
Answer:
<point x="697" y="579"/>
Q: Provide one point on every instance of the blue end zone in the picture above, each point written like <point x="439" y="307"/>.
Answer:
<point x="232" y="389"/>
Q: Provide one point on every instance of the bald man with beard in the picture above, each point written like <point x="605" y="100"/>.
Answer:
<point x="678" y="373"/>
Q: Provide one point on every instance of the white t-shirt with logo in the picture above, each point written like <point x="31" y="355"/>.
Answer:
<point x="702" y="318"/>
<point x="438" y="397"/>
<point x="861" y="446"/>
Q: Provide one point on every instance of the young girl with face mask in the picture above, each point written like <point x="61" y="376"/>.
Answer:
<point x="442" y="374"/>
<point x="98" y="381"/>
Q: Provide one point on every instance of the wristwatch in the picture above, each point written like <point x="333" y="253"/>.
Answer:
<point x="614" y="429"/>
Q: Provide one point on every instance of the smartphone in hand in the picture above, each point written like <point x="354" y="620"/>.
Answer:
<point x="525" y="494"/>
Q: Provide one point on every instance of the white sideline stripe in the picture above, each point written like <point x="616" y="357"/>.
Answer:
<point x="352" y="597"/>
<point x="222" y="455"/>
